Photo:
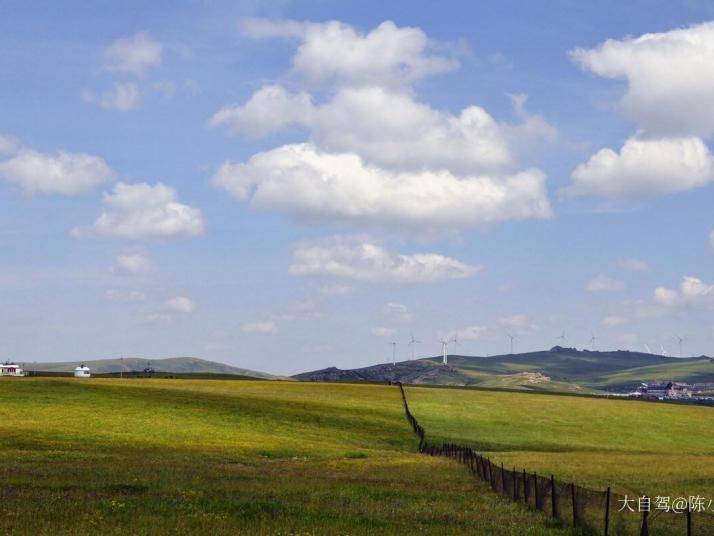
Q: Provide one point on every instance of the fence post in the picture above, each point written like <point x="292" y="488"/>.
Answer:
<point x="645" y="531"/>
<point x="575" y="506"/>
<point x="515" y="486"/>
<point x="503" y="479"/>
<point x="689" y="519"/>
<point x="535" y="490"/>
<point x="607" y="511"/>
<point x="553" y="499"/>
<point x="525" y="487"/>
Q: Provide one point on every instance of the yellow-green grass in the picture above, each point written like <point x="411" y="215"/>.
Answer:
<point x="153" y="456"/>
<point x="635" y="447"/>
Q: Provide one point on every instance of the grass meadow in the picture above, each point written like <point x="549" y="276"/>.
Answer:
<point x="636" y="447"/>
<point x="154" y="456"/>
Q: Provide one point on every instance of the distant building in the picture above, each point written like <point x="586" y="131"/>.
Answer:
<point x="82" y="371"/>
<point x="662" y="390"/>
<point x="11" y="369"/>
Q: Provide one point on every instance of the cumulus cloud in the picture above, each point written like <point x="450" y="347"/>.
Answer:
<point x="398" y="311"/>
<point x="180" y="304"/>
<point x="374" y="154"/>
<point x="692" y="292"/>
<point x="133" y="55"/>
<point x="602" y="283"/>
<point x="122" y="97"/>
<point x="336" y="52"/>
<point x="316" y="186"/>
<point x="383" y="332"/>
<point x="61" y="173"/>
<point x="141" y="211"/>
<point x="644" y="168"/>
<point x="132" y="263"/>
<point x="9" y="145"/>
<point x="266" y="328"/>
<point x="634" y="265"/>
<point x="356" y="259"/>
<point x="385" y="128"/>
<point x="670" y="79"/>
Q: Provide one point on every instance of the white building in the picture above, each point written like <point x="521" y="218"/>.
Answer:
<point x="11" y="369"/>
<point x="82" y="371"/>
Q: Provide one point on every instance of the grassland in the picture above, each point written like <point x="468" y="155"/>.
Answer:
<point x="635" y="447"/>
<point x="153" y="456"/>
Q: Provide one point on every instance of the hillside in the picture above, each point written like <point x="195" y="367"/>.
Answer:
<point x="557" y="369"/>
<point x="174" y="365"/>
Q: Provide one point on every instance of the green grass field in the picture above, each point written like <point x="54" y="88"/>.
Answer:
<point x="635" y="447"/>
<point x="154" y="456"/>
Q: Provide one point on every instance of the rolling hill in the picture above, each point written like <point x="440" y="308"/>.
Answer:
<point x="557" y="369"/>
<point x="175" y="365"/>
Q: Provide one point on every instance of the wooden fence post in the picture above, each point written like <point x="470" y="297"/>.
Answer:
<point x="503" y="479"/>
<point x="515" y="486"/>
<point x="607" y="511"/>
<point x="535" y="490"/>
<point x="645" y="530"/>
<point x="553" y="498"/>
<point x="525" y="487"/>
<point x="575" y="506"/>
<point x="689" y="519"/>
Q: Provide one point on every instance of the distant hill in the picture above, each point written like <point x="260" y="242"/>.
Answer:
<point x="557" y="369"/>
<point x="172" y="364"/>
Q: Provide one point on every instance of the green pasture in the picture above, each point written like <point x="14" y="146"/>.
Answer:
<point x="634" y="446"/>
<point x="158" y="456"/>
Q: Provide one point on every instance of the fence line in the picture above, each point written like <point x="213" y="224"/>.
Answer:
<point x="587" y="510"/>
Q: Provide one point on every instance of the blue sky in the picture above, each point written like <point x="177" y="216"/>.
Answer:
<point x="291" y="187"/>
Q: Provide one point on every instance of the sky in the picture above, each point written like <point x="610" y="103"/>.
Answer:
<point x="293" y="185"/>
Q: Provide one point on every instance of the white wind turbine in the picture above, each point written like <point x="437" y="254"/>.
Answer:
<point x="593" y="338"/>
<point x="394" y="353"/>
<point x="681" y="340"/>
<point x="512" y="337"/>
<point x="412" y="342"/>
<point x="445" y="347"/>
<point x="664" y="352"/>
<point x="562" y="338"/>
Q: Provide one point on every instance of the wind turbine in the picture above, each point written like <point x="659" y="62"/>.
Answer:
<point x="394" y="353"/>
<point x="681" y="340"/>
<point x="444" y="350"/>
<point x="412" y="343"/>
<point x="512" y="337"/>
<point x="648" y="349"/>
<point x="592" y="340"/>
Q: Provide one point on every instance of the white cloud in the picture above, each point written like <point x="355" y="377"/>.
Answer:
<point x="124" y="296"/>
<point x="313" y="185"/>
<point x="357" y="259"/>
<point x="335" y="52"/>
<point x="180" y="304"/>
<point x="385" y="128"/>
<point x="634" y="265"/>
<point x="9" y="145"/>
<point x="517" y="323"/>
<point x="133" y="55"/>
<point x="692" y="292"/>
<point x="141" y="211"/>
<point x="61" y="173"/>
<point x="469" y="333"/>
<point x="614" y="320"/>
<point x="644" y="168"/>
<point x="335" y="289"/>
<point x="267" y="328"/>
<point x="670" y="79"/>
<point x="122" y="97"/>
<point x="603" y="283"/>
<point x="133" y="263"/>
<point x="269" y="110"/>
<point x="398" y="311"/>
<point x="383" y="332"/>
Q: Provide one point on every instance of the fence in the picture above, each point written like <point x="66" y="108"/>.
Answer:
<point x="590" y="511"/>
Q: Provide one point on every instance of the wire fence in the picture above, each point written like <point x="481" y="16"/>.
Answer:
<point x="587" y="510"/>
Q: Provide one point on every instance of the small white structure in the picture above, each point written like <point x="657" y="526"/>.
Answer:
<point x="82" y="371"/>
<point x="11" y="369"/>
